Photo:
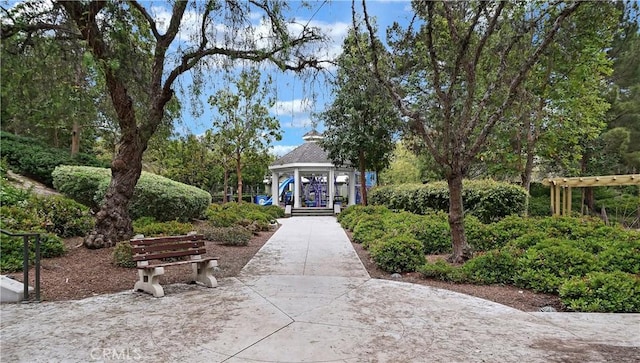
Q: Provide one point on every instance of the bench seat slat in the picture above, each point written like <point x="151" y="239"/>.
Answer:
<point x="159" y="255"/>
<point x="176" y="263"/>
<point x="168" y="247"/>
<point x="155" y="240"/>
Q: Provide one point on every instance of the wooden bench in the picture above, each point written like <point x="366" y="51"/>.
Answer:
<point x="159" y="249"/>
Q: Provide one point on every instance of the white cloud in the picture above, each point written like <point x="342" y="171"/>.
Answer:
<point x="292" y="108"/>
<point x="280" y="150"/>
<point x="300" y="122"/>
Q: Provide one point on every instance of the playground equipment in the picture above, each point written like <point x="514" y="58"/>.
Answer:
<point x="315" y="192"/>
<point x="283" y="186"/>
<point x="371" y="178"/>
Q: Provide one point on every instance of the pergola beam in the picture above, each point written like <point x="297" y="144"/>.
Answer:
<point x="561" y="206"/>
<point x="594" y="181"/>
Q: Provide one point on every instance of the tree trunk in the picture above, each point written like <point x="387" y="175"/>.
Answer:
<point x="461" y="249"/>
<point x="363" y="179"/>
<point x="75" y="138"/>
<point x="113" y="223"/>
<point x="225" y="186"/>
<point x="239" y="176"/>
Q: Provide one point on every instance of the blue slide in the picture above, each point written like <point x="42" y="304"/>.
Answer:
<point x="285" y="183"/>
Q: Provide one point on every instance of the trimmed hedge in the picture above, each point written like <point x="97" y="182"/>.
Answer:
<point x="30" y="157"/>
<point x="154" y="196"/>
<point x="488" y="200"/>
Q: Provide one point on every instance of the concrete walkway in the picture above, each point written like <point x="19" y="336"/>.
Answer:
<point x="305" y="297"/>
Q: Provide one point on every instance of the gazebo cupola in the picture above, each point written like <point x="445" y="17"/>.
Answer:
<point x="309" y="159"/>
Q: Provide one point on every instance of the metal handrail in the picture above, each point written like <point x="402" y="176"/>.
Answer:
<point x="25" y="262"/>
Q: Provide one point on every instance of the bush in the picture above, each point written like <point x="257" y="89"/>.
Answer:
<point x="11" y="250"/>
<point x="610" y="292"/>
<point x="274" y="211"/>
<point x="122" y="255"/>
<point x="228" y="236"/>
<point x="442" y="270"/>
<point x="545" y="266"/>
<point x="350" y="217"/>
<point x="32" y="158"/>
<point x="11" y="195"/>
<point x="508" y="229"/>
<point x="154" y="229"/>
<point x="155" y="196"/>
<point x="435" y="233"/>
<point x="63" y="216"/>
<point x="622" y="256"/>
<point x="493" y="267"/>
<point x="368" y="229"/>
<point x="401" y="253"/>
<point x="488" y="200"/>
<point x="249" y="215"/>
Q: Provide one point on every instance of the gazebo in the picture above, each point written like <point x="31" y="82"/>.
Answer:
<point x="311" y="162"/>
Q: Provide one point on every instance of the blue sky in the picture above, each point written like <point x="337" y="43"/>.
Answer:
<point x="298" y="99"/>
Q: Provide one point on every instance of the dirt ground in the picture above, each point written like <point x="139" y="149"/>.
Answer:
<point x="83" y="273"/>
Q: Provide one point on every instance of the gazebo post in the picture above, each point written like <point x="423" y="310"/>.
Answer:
<point x="331" y="186"/>
<point x="296" y="189"/>
<point x="275" y="191"/>
<point x="352" y="188"/>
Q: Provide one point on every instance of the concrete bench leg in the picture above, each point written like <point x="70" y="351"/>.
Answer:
<point x="149" y="281"/>
<point x="203" y="272"/>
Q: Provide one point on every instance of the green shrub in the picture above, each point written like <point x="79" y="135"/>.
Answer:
<point x="32" y="158"/>
<point x="508" y="229"/>
<point x="492" y="267"/>
<point x="528" y="240"/>
<point x="81" y="183"/>
<point x="479" y="235"/>
<point x="435" y="233"/>
<point x="622" y="256"/>
<point x="21" y="218"/>
<point x="253" y="216"/>
<point x="11" y="195"/>
<point x="274" y="211"/>
<point x="11" y="250"/>
<point x="63" y="216"/>
<point x="155" y="196"/>
<point x="122" y="255"/>
<point x="154" y="229"/>
<point x="398" y="253"/>
<point x="486" y="199"/>
<point x="442" y="270"/>
<point x="368" y="229"/>
<point x="545" y="266"/>
<point x="228" y="236"/>
<point x="347" y="216"/>
<point x="611" y="292"/>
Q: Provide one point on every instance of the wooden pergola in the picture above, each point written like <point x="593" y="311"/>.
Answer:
<point x="561" y="202"/>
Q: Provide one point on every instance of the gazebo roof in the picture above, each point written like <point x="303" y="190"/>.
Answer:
<point x="308" y="153"/>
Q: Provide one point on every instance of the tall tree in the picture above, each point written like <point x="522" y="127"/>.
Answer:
<point x="457" y="75"/>
<point x="133" y="49"/>
<point x="561" y="105"/>
<point x="48" y="89"/>
<point x="244" y="127"/>
<point x="361" y="122"/>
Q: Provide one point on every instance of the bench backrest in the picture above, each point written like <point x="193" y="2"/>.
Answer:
<point x="146" y="249"/>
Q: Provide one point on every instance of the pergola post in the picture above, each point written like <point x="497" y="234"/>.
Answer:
<point x="556" y="207"/>
<point x="275" y="190"/>
<point x="296" y="188"/>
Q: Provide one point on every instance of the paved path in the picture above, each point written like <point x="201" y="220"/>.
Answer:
<point x="305" y="297"/>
